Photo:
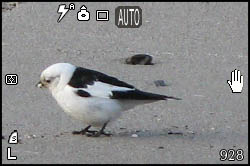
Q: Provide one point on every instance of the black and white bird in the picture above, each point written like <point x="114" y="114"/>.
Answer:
<point x="91" y="96"/>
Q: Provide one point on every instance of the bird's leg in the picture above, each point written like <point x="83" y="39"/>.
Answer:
<point x="84" y="131"/>
<point x="97" y="134"/>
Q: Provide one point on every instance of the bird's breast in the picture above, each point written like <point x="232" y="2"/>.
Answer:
<point x="91" y="110"/>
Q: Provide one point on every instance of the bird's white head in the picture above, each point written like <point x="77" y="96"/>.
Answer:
<point x="56" y="76"/>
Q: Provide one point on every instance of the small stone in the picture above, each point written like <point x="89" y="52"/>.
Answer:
<point x="160" y="83"/>
<point x="139" y="59"/>
<point x="212" y="128"/>
<point x="31" y="136"/>
<point x="19" y="141"/>
<point x="122" y="128"/>
<point x="9" y="5"/>
<point x="190" y="132"/>
<point x="186" y="126"/>
<point x="134" y="135"/>
<point x="177" y="133"/>
<point x="78" y="52"/>
<point x="160" y="147"/>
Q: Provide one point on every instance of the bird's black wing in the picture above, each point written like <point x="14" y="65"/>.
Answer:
<point x="83" y="77"/>
<point x="82" y="93"/>
<point x="139" y="95"/>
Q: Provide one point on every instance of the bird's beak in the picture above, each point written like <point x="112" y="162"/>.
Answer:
<point x="39" y="84"/>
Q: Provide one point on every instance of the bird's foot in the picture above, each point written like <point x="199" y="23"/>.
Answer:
<point x="84" y="131"/>
<point x="78" y="132"/>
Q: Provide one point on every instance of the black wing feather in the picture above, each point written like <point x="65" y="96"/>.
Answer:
<point x="83" y="77"/>
<point x="139" y="95"/>
<point x="82" y="93"/>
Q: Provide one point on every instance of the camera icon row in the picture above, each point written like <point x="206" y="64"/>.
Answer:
<point x="83" y="14"/>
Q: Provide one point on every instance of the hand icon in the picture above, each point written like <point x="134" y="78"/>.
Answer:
<point x="236" y="82"/>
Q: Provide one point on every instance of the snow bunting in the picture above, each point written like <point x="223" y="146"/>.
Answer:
<point x="91" y="96"/>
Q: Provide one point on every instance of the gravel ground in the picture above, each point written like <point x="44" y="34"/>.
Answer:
<point x="195" y="47"/>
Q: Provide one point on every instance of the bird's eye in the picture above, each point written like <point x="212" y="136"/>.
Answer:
<point x="48" y="81"/>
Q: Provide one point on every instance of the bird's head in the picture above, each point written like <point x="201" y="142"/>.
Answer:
<point x="56" y="76"/>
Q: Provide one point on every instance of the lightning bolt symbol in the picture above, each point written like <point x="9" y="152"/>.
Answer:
<point x="63" y="11"/>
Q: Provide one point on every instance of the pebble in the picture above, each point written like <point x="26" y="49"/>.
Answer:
<point x="134" y="135"/>
<point x="9" y="5"/>
<point x="31" y="136"/>
<point x="78" y="52"/>
<point x="190" y="132"/>
<point x="160" y="147"/>
<point x="19" y="141"/>
<point x="179" y="133"/>
<point x="160" y="83"/>
<point x="139" y="59"/>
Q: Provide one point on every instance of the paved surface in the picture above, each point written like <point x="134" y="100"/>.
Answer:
<point x="195" y="48"/>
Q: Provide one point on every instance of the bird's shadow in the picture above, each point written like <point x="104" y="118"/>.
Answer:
<point x="173" y="132"/>
<point x="155" y="133"/>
